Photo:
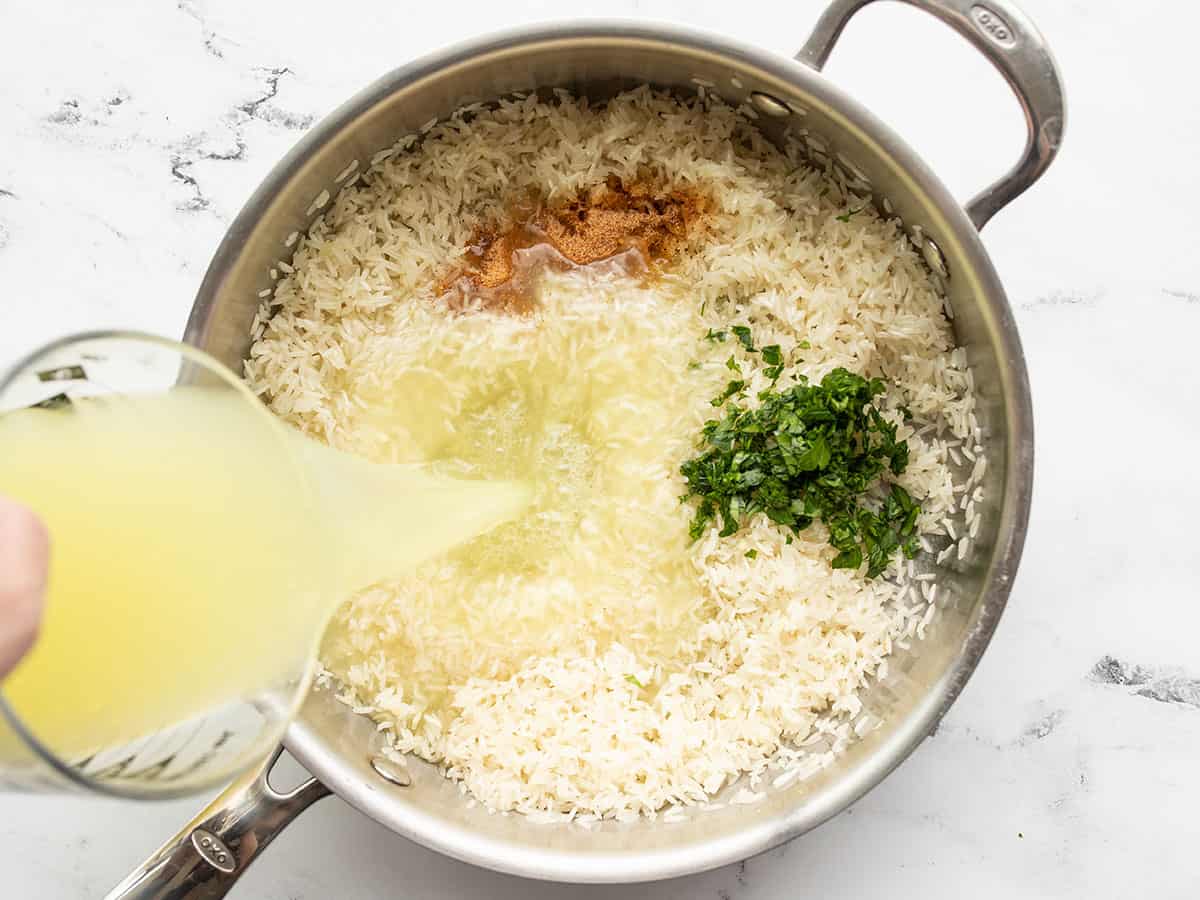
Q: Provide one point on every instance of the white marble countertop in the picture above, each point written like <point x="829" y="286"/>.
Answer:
<point x="130" y="134"/>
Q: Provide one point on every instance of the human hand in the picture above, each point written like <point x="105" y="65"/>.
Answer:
<point x="24" y="559"/>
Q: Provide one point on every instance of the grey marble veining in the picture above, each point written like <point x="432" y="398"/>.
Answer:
<point x="130" y="134"/>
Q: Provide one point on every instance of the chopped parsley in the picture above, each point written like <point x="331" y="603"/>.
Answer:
<point x="808" y="452"/>
<point x="714" y="335"/>
<point x="633" y="679"/>
<point x="734" y="387"/>
<point x="731" y="364"/>
<point x="751" y="553"/>
<point x="742" y="333"/>
<point x="845" y="217"/>
<point x="773" y="357"/>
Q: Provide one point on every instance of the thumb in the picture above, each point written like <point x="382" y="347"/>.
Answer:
<point x="24" y="559"/>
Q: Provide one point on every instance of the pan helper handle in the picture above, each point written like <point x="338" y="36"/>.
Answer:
<point x="1012" y="44"/>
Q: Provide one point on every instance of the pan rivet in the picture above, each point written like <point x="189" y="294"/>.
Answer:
<point x="770" y="106"/>
<point x="391" y="771"/>
<point x="934" y="257"/>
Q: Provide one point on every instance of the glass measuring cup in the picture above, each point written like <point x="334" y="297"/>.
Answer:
<point x="157" y="686"/>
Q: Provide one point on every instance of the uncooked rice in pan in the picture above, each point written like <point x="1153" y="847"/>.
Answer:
<point x="590" y="661"/>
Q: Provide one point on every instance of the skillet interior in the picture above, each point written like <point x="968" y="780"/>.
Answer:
<point x="597" y="60"/>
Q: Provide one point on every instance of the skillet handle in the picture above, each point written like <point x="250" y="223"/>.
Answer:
<point x="211" y="852"/>
<point x="1003" y="34"/>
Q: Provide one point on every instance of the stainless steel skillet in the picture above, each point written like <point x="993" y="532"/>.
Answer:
<point x="597" y="59"/>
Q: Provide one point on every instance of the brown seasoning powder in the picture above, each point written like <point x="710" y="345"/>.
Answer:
<point x="627" y="226"/>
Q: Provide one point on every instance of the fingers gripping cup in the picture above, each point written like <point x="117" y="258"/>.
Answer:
<point x="182" y="605"/>
<point x="198" y="547"/>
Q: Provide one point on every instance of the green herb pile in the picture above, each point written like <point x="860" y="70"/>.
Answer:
<point x="807" y="452"/>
